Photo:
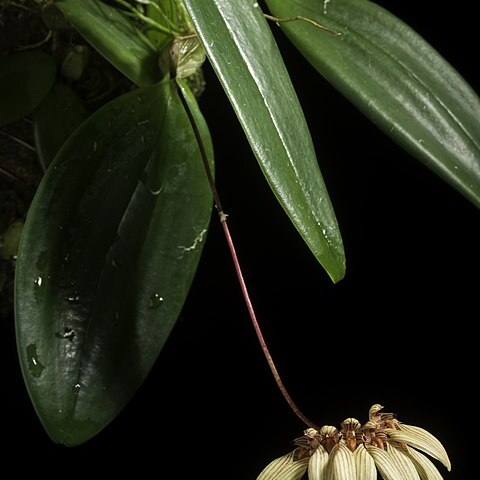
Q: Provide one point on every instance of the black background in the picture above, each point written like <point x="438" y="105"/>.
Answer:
<point x="399" y="330"/>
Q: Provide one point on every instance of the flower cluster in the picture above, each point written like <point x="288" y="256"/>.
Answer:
<point x="356" y="452"/>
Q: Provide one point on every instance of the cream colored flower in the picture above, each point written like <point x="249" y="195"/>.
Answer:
<point x="357" y="452"/>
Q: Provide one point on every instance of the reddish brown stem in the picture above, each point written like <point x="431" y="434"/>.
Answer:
<point x="256" y="325"/>
<point x="241" y="280"/>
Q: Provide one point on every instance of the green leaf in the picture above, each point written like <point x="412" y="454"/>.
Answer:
<point x="25" y="80"/>
<point x="55" y="119"/>
<point x="115" y="37"/>
<point x="110" y="248"/>
<point x="397" y="80"/>
<point x="242" y="50"/>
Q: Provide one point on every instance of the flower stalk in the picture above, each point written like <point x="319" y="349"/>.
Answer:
<point x="238" y="270"/>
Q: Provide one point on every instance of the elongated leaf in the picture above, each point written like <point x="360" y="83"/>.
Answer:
<point x="25" y="80"/>
<point x="397" y="80"/>
<point x="55" y="119"/>
<point x="109" y="251"/>
<point x="245" y="57"/>
<point x="115" y="37"/>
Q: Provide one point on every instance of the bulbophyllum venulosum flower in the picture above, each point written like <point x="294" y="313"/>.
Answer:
<point x="357" y="452"/>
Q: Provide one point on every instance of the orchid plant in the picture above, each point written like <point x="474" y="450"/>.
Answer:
<point x="115" y="232"/>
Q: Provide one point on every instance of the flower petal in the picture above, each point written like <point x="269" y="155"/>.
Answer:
<point x="374" y="409"/>
<point x="383" y="461"/>
<point x="351" y="424"/>
<point x="328" y="431"/>
<point x="403" y="463"/>
<point x="419" y="438"/>
<point x="364" y="464"/>
<point x="426" y="469"/>
<point x="317" y="466"/>
<point x="284" y="468"/>
<point x="341" y="465"/>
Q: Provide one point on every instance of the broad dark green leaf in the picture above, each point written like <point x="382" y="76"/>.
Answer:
<point x="25" y="80"/>
<point x="397" y="80"/>
<point x="241" y="48"/>
<point x="54" y="121"/>
<point x="115" y="37"/>
<point x="110" y="248"/>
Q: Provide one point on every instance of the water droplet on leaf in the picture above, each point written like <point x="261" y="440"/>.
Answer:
<point x="34" y="365"/>
<point x="74" y="298"/>
<point x="68" y="334"/>
<point x="156" y="301"/>
<point x="38" y="289"/>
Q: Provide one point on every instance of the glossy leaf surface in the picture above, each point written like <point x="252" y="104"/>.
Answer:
<point x="54" y="121"/>
<point x="243" y="52"/>
<point x="115" y="37"/>
<point x="109" y="251"/>
<point x="397" y="80"/>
